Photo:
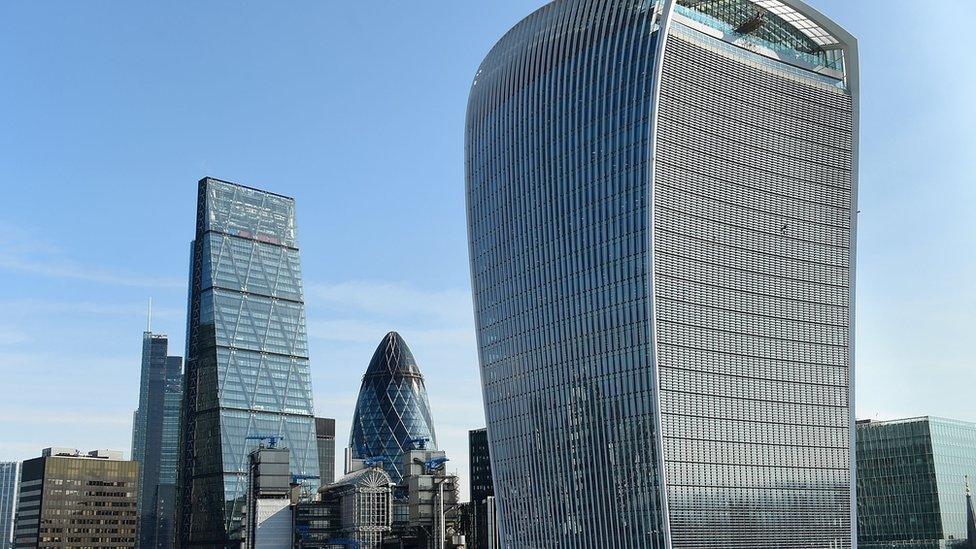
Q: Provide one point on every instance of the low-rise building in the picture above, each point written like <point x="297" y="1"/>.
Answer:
<point x="432" y="500"/>
<point x="68" y="499"/>
<point x="365" y="506"/>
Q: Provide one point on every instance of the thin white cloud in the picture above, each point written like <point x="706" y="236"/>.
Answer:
<point x="395" y="300"/>
<point x="12" y="336"/>
<point x="59" y="268"/>
<point x="25" y="252"/>
<point x="35" y="306"/>
<point x="347" y="330"/>
<point x="64" y="417"/>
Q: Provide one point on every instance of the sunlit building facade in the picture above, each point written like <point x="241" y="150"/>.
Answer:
<point x="70" y="500"/>
<point x="912" y="482"/>
<point x="392" y="412"/>
<point x="661" y="202"/>
<point x="247" y="369"/>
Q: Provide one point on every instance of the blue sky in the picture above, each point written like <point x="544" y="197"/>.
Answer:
<point x="111" y="111"/>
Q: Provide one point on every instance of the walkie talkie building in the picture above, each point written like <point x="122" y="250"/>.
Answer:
<point x="661" y="201"/>
<point x="247" y="371"/>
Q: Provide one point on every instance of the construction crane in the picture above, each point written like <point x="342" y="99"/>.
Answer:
<point x="432" y="464"/>
<point x="373" y="461"/>
<point x="272" y="439"/>
<point x="418" y="443"/>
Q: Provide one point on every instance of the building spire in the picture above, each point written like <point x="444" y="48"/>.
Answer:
<point x="149" y="317"/>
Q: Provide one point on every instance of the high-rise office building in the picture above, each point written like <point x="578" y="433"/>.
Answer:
<point x="661" y="213"/>
<point x="155" y="437"/>
<point x="912" y="482"/>
<point x="247" y="371"/>
<point x="69" y="499"/>
<point x="392" y="413"/>
<point x="8" y="502"/>
<point x="325" y="439"/>
<point x="484" y="523"/>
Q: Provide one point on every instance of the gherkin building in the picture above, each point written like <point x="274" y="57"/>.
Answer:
<point x="392" y="412"/>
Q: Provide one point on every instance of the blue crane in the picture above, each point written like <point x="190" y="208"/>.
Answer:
<point x="376" y="460"/>
<point x="272" y="439"/>
<point x="419" y="443"/>
<point x="435" y="464"/>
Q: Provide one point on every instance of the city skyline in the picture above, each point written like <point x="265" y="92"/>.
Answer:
<point x="64" y="278"/>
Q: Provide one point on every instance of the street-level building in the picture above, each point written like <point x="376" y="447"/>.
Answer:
<point x="661" y="200"/>
<point x="72" y="500"/>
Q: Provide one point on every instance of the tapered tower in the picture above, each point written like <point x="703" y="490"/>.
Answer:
<point x="247" y="371"/>
<point x="392" y="413"/>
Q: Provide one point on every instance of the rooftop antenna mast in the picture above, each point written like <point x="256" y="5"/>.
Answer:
<point x="149" y="317"/>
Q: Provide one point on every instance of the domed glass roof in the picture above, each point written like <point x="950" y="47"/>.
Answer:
<point x="392" y="408"/>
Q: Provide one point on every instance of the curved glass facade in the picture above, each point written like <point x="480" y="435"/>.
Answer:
<point x="662" y="277"/>
<point x="247" y="370"/>
<point x="392" y="407"/>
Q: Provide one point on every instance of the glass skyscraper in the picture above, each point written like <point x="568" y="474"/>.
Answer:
<point x="661" y="200"/>
<point x="392" y="413"/>
<point x="247" y="369"/>
<point x="155" y="440"/>
<point x="911" y="482"/>
<point x="325" y="439"/>
<point x="8" y="502"/>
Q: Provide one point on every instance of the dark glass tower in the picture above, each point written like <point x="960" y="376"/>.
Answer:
<point x="155" y="439"/>
<point x="482" y="488"/>
<point x="325" y="439"/>
<point x="392" y="408"/>
<point x="247" y="370"/>
<point x="661" y="213"/>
